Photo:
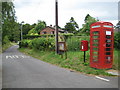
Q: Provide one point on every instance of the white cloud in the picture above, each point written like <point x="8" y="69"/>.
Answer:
<point x="31" y="11"/>
<point x="114" y="22"/>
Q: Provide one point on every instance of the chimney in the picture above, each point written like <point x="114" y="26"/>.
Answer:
<point x="51" y="25"/>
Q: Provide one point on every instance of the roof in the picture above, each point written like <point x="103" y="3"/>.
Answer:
<point x="53" y="28"/>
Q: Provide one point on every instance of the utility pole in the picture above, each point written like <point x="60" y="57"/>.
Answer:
<point x="21" y="30"/>
<point x="56" y="29"/>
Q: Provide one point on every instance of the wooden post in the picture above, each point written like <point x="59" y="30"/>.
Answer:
<point x="84" y="56"/>
<point x="65" y="54"/>
<point x="56" y="29"/>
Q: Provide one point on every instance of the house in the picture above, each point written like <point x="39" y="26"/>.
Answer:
<point x="50" y="30"/>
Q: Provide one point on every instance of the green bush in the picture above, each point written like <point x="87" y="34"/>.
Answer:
<point x="37" y="36"/>
<point x="30" y="44"/>
<point x="5" y="40"/>
<point x="73" y="43"/>
<point x="39" y="43"/>
<point x="67" y="35"/>
<point x="24" y="43"/>
<point x="43" y="43"/>
<point x="117" y="40"/>
<point x="48" y="43"/>
<point x="82" y="34"/>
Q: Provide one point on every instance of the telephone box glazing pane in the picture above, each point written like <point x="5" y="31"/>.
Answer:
<point x="108" y="45"/>
<point x="95" y="60"/>
<point x="108" y="53"/>
<point x="95" y="44"/>
<point x="108" y="37"/>
<point x="95" y="57"/>
<point x="96" y="49"/>
<point x="108" y="41"/>
<point x="95" y="33"/>
<point x="95" y="40"/>
<point x="108" y="49"/>
<point x="96" y="53"/>
<point x="95" y="37"/>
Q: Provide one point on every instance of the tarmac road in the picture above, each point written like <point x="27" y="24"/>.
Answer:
<point x="21" y="71"/>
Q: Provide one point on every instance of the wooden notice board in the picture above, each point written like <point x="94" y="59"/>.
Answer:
<point x="62" y="46"/>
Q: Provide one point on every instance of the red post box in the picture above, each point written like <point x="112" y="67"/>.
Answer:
<point x="101" y="45"/>
<point x="84" y="45"/>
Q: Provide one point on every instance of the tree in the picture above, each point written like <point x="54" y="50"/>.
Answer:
<point x="86" y="18"/>
<point x="27" y="27"/>
<point x="36" y="28"/>
<point x="32" y="32"/>
<point x="71" y="26"/>
<point x="15" y="35"/>
<point x="9" y="25"/>
<point x="40" y="26"/>
<point x="88" y="21"/>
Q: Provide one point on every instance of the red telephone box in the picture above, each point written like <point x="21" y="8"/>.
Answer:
<point x="101" y="45"/>
<point x="84" y="45"/>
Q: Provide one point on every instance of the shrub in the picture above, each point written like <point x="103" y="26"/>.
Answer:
<point x="24" y="43"/>
<point x="117" y="40"/>
<point x="30" y="44"/>
<point x="43" y="43"/>
<point x="37" y="36"/>
<point x="39" y="43"/>
<point x="5" y="40"/>
<point x="67" y="35"/>
<point x="73" y="43"/>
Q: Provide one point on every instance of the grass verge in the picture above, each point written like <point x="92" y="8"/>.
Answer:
<point x="6" y="46"/>
<point x="74" y="61"/>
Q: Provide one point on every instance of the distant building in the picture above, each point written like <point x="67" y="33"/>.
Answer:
<point x="50" y="30"/>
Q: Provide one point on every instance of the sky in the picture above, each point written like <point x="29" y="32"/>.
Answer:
<point x="30" y="11"/>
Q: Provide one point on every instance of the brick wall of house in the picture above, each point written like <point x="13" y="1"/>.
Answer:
<point x="47" y="30"/>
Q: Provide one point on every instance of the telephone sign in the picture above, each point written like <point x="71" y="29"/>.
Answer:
<point x="101" y="45"/>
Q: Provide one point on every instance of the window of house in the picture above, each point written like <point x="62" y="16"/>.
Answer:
<point x="52" y="32"/>
<point x="44" y="32"/>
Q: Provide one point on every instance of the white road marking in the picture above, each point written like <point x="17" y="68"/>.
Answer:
<point x="8" y="57"/>
<point x="16" y="56"/>
<point x="102" y="78"/>
<point x="24" y="56"/>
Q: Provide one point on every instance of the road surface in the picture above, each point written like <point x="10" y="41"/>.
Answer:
<point x="22" y="71"/>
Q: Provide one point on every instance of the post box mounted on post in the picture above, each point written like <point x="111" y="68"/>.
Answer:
<point x="84" y="47"/>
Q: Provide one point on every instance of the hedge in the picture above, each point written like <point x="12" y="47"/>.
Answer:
<point x="47" y="42"/>
<point x="73" y="43"/>
<point x="117" y="40"/>
<point x="36" y="36"/>
<point x="39" y="43"/>
<point x="46" y="35"/>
